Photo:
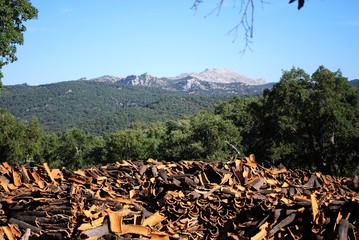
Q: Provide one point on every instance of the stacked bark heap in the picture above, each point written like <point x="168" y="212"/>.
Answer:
<point x="238" y="199"/>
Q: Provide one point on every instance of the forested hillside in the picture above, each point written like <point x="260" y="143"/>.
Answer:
<point x="97" y="107"/>
<point x="310" y="122"/>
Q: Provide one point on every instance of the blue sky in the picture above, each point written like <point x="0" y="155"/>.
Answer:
<point x="72" y="39"/>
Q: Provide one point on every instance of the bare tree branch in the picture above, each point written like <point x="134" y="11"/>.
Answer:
<point x="234" y="147"/>
<point x="246" y="23"/>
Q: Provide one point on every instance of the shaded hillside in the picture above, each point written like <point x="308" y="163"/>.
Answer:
<point x="97" y="106"/>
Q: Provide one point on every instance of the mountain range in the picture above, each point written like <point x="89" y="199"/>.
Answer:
<point x="212" y="81"/>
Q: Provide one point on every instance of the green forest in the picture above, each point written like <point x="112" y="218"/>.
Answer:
<point x="305" y="121"/>
<point x="97" y="107"/>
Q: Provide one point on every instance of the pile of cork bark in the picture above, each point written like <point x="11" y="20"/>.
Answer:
<point x="238" y="199"/>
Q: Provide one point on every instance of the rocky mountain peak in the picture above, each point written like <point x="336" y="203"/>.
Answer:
<point x="106" y="78"/>
<point x="146" y="76"/>
<point x="222" y="75"/>
<point x="226" y="75"/>
<point x="144" y="79"/>
<point x="211" y="79"/>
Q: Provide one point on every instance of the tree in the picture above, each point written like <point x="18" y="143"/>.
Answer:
<point x="204" y="136"/>
<point x="333" y="126"/>
<point x="244" y="113"/>
<point x="50" y="145"/>
<point x="20" y="143"/>
<point x="139" y="141"/>
<point x="311" y="122"/>
<point x="33" y="141"/>
<point x="76" y="149"/>
<point x="13" y="14"/>
<point x="282" y="119"/>
<point x="176" y="140"/>
<point x="128" y="144"/>
<point x="214" y="136"/>
<point x="12" y="134"/>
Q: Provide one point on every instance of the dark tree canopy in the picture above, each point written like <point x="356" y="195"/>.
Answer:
<point x="311" y="122"/>
<point x="13" y="14"/>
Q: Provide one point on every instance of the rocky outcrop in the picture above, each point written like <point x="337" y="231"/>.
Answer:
<point x="212" y="81"/>
<point x="223" y="75"/>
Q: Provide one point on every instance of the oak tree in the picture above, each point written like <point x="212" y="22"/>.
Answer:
<point x="13" y="15"/>
<point x="311" y="122"/>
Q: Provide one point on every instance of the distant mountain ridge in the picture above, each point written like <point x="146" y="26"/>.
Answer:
<point x="222" y="75"/>
<point x="212" y="81"/>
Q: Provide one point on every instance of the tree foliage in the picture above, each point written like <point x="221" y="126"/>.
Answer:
<point x="282" y="116"/>
<point x="244" y="113"/>
<point x="13" y="14"/>
<point x="19" y="143"/>
<point x="98" y="107"/>
<point x="311" y="122"/>
<point x="214" y="136"/>
<point x="137" y="142"/>
<point x="76" y="149"/>
<point x="334" y="125"/>
<point x="203" y="136"/>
